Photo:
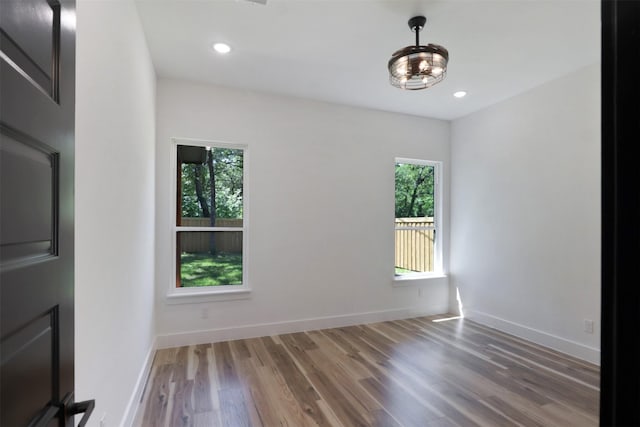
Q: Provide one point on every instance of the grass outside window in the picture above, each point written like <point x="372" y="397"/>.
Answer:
<point x="204" y="269"/>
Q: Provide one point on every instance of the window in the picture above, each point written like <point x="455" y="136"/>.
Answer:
<point x="210" y="217"/>
<point x="417" y="218"/>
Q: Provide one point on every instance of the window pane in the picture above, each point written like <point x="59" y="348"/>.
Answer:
<point x="209" y="258"/>
<point x="211" y="187"/>
<point x="414" y="190"/>
<point x="414" y="223"/>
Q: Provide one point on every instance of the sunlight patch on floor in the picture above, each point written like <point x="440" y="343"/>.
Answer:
<point x="444" y="319"/>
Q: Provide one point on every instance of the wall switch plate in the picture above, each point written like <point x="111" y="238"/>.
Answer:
<point x="588" y="326"/>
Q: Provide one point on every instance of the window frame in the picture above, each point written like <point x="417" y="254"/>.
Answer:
<point x="224" y="292"/>
<point x="438" y="264"/>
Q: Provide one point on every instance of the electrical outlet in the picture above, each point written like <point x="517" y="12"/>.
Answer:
<point x="419" y="291"/>
<point x="205" y="313"/>
<point x="588" y="326"/>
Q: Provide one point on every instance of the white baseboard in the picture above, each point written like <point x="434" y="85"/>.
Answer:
<point x="276" y="328"/>
<point x="563" y="345"/>
<point x="134" y="402"/>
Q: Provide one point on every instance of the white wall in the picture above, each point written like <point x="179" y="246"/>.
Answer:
<point x="115" y="139"/>
<point x="321" y="183"/>
<point x="525" y="213"/>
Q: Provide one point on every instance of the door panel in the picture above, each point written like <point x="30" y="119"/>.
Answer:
<point x="37" y="108"/>
<point x="27" y="229"/>
<point x="30" y="38"/>
<point x="28" y="358"/>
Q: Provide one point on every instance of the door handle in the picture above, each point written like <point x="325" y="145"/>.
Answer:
<point x="85" y="408"/>
<point x="51" y="411"/>
<point x="45" y="417"/>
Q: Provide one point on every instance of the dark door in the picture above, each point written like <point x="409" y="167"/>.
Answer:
<point x="620" y="359"/>
<point x="37" y="91"/>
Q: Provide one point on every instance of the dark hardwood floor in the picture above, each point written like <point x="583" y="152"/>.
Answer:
<point x="416" y="372"/>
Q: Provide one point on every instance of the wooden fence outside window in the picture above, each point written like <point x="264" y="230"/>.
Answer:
<point x="198" y="242"/>
<point x="414" y="244"/>
<point x="414" y="239"/>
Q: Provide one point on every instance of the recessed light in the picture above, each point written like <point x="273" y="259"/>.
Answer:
<point x="460" y="94"/>
<point x="222" y="48"/>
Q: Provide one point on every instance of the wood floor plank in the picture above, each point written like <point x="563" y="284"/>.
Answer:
<point x="406" y="377"/>
<point x="182" y="410"/>
<point x="202" y="381"/>
<point x="403" y="407"/>
<point x="256" y="381"/>
<point x="564" y="415"/>
<point x="330" y="358"/>
<point x="240" y="349"/>
<point x="165" y="356"/>
<point x="285" y="408"/>
<point x="158" y="399"/>
<point x="327" y="388"/>
<point x="166" y="419"/>
<point x="558" y="389"/>
<point x="548" y="365"/>
<point x="180" y="365"/>
<point x="544" y="357"/>
<point x="341" y="340"/>
<point x="226" y="371"/>
<point x="207" y="419"/>
<point x="404" y="373"/>
<point x="429" y="392"/>
<point x="440" y="422"/>
<point x="522" y="416"/>
<point x="534" y="348"/>
<point x="233" y="408"/>
<point x="351" y="366"/>
<point x="300" y="385"/>
<point x="457" y="363"/>
<point x="473" y="408"/>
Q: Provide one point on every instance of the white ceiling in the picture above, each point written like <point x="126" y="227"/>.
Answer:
<point x="337" y="50"/>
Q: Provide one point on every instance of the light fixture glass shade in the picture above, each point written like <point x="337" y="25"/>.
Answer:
<point x="418" y="67"/>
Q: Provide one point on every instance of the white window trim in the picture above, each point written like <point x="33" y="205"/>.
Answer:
<point x="438" y="269"/>
<point x="209" y="293"/>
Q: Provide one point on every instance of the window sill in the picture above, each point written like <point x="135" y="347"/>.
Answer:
<point x="192" y="295"/>
<point x="416" y="279"/>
